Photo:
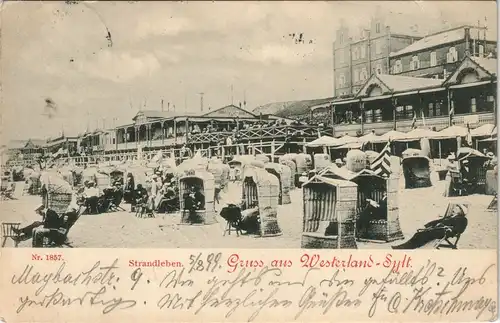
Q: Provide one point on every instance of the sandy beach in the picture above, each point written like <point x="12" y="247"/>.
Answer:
<point x="124" y="230"/>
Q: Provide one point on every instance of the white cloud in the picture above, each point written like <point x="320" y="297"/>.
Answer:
<point x="120" y="67"/>
<point x="162" y="25"/>
<point x="279" y="53"/>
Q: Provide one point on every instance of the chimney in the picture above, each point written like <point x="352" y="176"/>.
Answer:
<point x="467" y="41"/>
<point x="161" y="105"/>
<point x="240" y="105"/>
<point x="168" y="106"/>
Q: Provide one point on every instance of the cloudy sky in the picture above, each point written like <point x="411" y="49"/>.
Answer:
<point x="173" y="51"/>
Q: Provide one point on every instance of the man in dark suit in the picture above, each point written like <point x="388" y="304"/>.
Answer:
<point x="50" y="220"/>
<point x="373" y="211"/>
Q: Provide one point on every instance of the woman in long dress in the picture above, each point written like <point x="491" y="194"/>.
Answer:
<point x="448" y="186"/>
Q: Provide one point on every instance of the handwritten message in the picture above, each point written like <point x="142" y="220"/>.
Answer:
<point x="249" y="286"/>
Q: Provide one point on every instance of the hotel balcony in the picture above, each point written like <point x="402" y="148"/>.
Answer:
<point x="439" y="123"/>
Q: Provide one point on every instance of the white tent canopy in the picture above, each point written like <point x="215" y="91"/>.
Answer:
<point x="391" y="135"/>
<point x="452" y="132"/>
<point x="419" y="133"/>
<point x="346" y="139"/>
<point x="484" y="130"/>
<point x="371" y="137"/>
<point x="325" y="141"/>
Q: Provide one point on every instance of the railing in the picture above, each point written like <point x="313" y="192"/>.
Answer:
<point x="439" y="123"/>
<point x="265" y="133"/>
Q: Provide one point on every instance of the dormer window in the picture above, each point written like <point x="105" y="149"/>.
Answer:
<point x="433" y="59"/>
<point x="398" y="67"/>
<point x="452" y="55"/>
<point x="415" y="63"/>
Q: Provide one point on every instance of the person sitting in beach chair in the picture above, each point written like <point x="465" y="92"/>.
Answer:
<point x="452" y="225"/>
<point x="106" y="199"/>
<point x="193" y="200"/>
<point x="128" y="195"/>
<point x="117" y="197"/>
<point x="50" y="220"/>
<point x="7" y="189"/>
<point x="91" y="194"/>
<point x="372" y="211"/>
<point x="169" y="201"/>
<point x="56" y="237"/>
<point x="142" y="205"/>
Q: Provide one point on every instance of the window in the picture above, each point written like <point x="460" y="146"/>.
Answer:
<point x="398" y="67"/>
<point x="415" y="63"/>
<point x="473" y="108"/>
<point x="431" y="110"/>
<point x="481" y="50"/>
<point x="363" y="51"/>
<point x="378" y="47"/>
<point x="452" y="55"/>
<point x="433" y="59"/>
<point x="363" y="75"/>
<point x="356" y="75"/>
<point x="341" y="80"/>
<point x="377" y="27"/>
<point x="378" y="69"/>
<point x="355" y="54"/>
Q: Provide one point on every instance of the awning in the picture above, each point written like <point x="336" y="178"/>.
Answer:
<point x="373" y="98"/>
<point x="406" y="93"/>
<point x="323" y="105"/>
<point x="459" y="86"/>
<point x="489" y="140"/>
<point x="345" y="102"/>
<point x="432" y="90"/>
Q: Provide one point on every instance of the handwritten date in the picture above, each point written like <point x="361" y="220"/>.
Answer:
<point x="208" y="264"/>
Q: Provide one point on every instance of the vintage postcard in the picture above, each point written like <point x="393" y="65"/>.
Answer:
<point x="248" y="161"/>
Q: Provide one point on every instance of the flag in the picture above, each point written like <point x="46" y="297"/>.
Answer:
<point x="382" y="164"/>
<point x="468" y="137"/>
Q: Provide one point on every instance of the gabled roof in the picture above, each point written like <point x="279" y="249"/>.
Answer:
<point x="445" y="37"/>
<point x="441" y="38"/>
<point x="484" y="67"/>
<point x="230" y="111"/>
<point x="17" y="144"/>
<point x="156" y="114"/>
<point x="397" y="83"/>
<point x="488" y="64"/>
<point x="35" y="143"/>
